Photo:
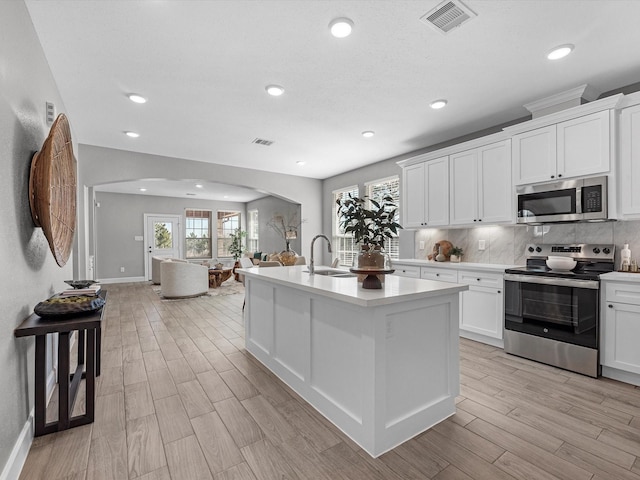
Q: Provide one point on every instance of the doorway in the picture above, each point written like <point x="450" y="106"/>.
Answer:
<point x="163" y="238"/>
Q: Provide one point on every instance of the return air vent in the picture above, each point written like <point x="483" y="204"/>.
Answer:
<point x="447" y="16"/>
<point x="262" y="141"/>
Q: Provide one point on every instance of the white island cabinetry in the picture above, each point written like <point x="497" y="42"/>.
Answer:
<point x="382" y="365"/>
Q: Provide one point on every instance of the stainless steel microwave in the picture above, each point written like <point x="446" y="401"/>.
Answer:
<point x="582" y="199"/>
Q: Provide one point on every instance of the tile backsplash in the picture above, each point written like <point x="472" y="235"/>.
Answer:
<point x="506" y="244"/>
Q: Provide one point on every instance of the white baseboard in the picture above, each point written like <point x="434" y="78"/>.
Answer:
<point x="482" y="339"/>
<point x="13" y="467"/>
<point x="621" y="375"/>
<point x="122" y="280"/>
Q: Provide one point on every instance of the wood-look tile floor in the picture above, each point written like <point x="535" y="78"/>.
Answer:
<point x="179" y="398"/>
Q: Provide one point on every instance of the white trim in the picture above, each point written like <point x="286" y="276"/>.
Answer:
<point x="15" y="462"/>
<point x="583" y="91"/>
<point x="122" y="280"/>
<point x="179" y="219"/>
<point x="344" y="189"/>
<point x="382" y="180"/>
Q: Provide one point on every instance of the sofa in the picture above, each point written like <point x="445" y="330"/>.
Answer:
<point x="181" y="279"/>
<point x="156" y="276"/>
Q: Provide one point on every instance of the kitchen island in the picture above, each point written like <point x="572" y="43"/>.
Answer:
<point x="382" y="365"/>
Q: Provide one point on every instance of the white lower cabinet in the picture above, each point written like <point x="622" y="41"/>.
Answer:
<point x="411" y="271"/>
<point x="620" y="331"/>
<point x="440" y="274"/>
<point x="482" y="306"/>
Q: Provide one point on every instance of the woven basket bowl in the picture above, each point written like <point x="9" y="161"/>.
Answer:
<point x="52" y="190"/>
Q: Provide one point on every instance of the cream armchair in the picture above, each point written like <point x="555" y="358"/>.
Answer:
<point x="156" y="276"/>
<point x="182" y="279"/>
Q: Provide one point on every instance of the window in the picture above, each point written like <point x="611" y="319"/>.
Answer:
<point x="252" y="230"/>
<point x="228" y="223"/>
<point x="198" y="233"/>
<point x="343" y="245"/>
<point x="376" y="190"/>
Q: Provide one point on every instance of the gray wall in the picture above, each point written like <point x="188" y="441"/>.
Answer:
<point x="98" y="165"/>
<point x="29" y="271"/>
<point x="120" y="218"/>
<point x="268" y="239"/>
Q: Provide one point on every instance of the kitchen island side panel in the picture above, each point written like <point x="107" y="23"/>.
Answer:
<point x="380" y="374"/>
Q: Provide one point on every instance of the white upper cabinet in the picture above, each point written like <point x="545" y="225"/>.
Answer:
<point x="480" y="185"/>
<point x="629" y="175"/>
<point x="426" y="193"/>
<point x="573" y="148"/>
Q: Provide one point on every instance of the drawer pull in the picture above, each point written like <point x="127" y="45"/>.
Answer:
<point x="610" y="306"/>
<point x="478" y="279"/>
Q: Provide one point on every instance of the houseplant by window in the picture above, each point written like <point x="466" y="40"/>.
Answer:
<point x="370" y="228"/>
<point x="235" y="248"/>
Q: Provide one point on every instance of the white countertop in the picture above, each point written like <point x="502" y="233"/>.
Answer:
<point x="621" y="277"/>
<point x="487" y="267"/>
<point x="395" y="289"/>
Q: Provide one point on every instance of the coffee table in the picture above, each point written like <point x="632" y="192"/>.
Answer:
<point x="218" y="275"/>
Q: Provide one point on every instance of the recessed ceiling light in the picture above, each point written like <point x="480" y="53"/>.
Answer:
<point x="143" y="189"/>
<point x="134" y="97"/>
<point x="560" y="52"/>
<point x="368" y="134"/>
<point x="300" y="162"/>
<point x="341" y="27"/>
<point x="274" y="90"/>
<point x="437" y="104"/>
<point x="132" y="134"/>
<point x="198" y="185"/>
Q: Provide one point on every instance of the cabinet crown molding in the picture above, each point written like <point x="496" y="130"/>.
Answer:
<point x="457" y="148"/>
<point x="607" y="103"/>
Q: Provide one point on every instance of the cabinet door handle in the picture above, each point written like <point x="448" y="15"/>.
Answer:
<point x="477" y="279"/>
<point x="559" y="175"/>
<point x="499" y="291"/>
<point x="479" y="219"/>
<point x="437" y="274"/>
<point x="610" y="306"/>
<point x="553" y="176"/>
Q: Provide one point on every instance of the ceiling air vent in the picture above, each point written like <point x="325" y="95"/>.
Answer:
<point x="262" y="141"/>
<point x="447" y="16"/>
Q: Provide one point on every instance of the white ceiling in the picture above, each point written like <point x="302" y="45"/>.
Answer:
<point x="204" y="66"/>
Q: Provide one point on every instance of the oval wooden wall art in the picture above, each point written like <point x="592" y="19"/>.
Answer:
<point x="52" y="190"/>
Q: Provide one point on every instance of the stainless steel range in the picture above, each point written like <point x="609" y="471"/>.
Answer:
<point x="553" y="316"/>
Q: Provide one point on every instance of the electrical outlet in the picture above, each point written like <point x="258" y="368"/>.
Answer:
<point x="121" y="269"/>
<point x="481" y="245"/>
<point x="421" y="244"/>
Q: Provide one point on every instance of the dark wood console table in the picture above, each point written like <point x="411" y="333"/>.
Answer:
<point x="89" y="331"/>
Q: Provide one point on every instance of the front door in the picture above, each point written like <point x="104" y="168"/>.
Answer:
<point x="162" y="238"/>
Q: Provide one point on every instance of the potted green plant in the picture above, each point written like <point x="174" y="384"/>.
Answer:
<point x="456" y="254"/>
<point x="235" y="249"/>
<point x="370" y="226"/>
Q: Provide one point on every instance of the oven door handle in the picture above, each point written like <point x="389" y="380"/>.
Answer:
<point x="561" y="282"/>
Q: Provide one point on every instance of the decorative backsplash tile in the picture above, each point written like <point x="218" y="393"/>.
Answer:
<point x="506" y="244"/>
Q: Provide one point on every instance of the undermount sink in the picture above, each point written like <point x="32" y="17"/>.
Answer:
<point x="327" y="272"/>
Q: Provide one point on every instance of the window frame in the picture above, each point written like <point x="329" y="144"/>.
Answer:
<point x="391" y="245"/>
<point x="344" y="246"/>
<point x="188" y="228"/>
<point x="253" y="230"/>
<point x="223" y="236"/>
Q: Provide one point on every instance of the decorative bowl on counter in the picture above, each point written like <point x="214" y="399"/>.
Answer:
<point x="80" y="283"/>
<point x="560" y="263"/>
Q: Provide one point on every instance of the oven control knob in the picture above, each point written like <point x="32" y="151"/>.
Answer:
<point x="538" y="249"/>
<point x="545" y="330"/>
<point x="606" y="251"/>
<point x="531" y="249"/>
<point x="597" y="250"/>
